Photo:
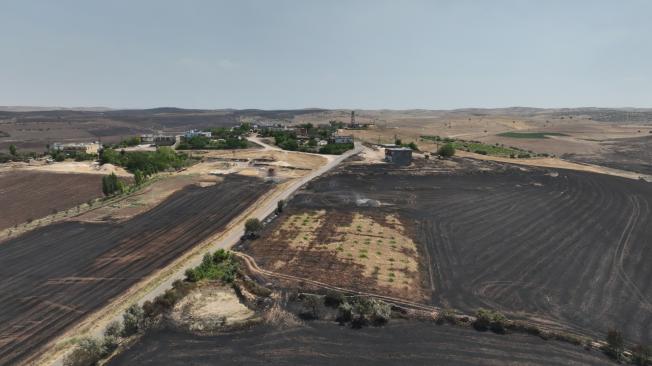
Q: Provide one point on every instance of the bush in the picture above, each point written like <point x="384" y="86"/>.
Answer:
<point x="334" y="298"/>
<point x="253" y="226"/>
<point x="310" y="306"/>
<point x="132" y="320"/>
<point x="111" y="185"/>
<point x="344" y="313"/>
<point x="446" y="151"/>
<point x="148" y="162"/>
<point x="615" y="344"/>
<point x="642" y="355"/>
<point x="487" y="319"/>
<point x="87" y="353"/>
<point x="370" y="310"/>
<point x="219" y="266"/>
<point x="139" y="177"/>
<point x="335" y="149"/>
<point x="279" y="206"/>
<point x="114" y="329"/>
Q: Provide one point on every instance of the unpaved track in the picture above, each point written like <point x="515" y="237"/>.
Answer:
<point x="52" y="277"/>
<point x="160" y="282"/>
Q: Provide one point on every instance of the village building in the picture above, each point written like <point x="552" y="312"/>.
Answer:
<point x="77" y="147"/>
<point x="398" y="155"/>
<point x="341" y="139"/>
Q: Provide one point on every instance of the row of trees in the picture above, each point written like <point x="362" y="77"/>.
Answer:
<point x="147" y="162"/>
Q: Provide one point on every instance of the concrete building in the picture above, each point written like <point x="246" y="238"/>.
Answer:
<point x="193" y="133"/>
<point x="75" y="147"/>
<point x="163" y="140"/>
<point x="147" y="139"/>
<point x="341" y="139"/>
<point x="398" y="155"/>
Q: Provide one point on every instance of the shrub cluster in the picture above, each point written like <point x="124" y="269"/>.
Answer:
<point x="335" y="149"/>
<point x="363" y="311"/>
<point x="147" y="162"/>
<point x="446" y="150"/>
<point x="490" y="320"/>
<point x="221" y="265"/>
<point x="111" y="185"/>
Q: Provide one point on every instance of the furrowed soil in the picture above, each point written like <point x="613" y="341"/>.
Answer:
<point x="322" y="343"/>
<point x="29" y="195"/>
<point x="563" y="248"/>
<point x="52" y="277"/>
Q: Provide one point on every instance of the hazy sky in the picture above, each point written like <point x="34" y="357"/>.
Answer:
<point x="331" y="54"/>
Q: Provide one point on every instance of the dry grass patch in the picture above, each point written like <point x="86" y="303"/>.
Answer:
<point x="378" y="245"/>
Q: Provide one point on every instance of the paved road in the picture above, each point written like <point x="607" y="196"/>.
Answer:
<point x="232" y="234"/>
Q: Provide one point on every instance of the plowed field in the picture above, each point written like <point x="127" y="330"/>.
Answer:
<point x="52" y="277"/>
<point x="568" y="249"/>
<point x="318" y="343"/>
<point x="28" y="195"/>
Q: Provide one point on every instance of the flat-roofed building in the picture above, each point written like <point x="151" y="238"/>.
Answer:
<point x="398" y="155"/>
<point x="75" y="147"/>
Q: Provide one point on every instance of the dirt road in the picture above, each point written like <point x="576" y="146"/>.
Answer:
<point x="160" y="282"/>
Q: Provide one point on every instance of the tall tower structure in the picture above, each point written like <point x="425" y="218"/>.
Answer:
<point x="352" y="118"/>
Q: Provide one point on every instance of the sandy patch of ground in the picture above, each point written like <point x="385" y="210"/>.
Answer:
<point x="74" y="167"/>
<point x="211" y="308"/>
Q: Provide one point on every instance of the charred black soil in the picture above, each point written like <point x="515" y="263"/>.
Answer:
<point x="563" y="248"/>
<point x="52" y="277"/>
<point x="323" y="343"/>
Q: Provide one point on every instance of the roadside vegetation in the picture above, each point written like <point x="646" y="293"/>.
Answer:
<point x="15" y="155"/>
<point x="530" y="135"/>
<point x="147" y="162"/>
<point x="136" y="320"/>
<point x="484" y="149"/>
<point x="221" y="138"/>
<point x="314" y="139"/>
<point x="411" y="145"/>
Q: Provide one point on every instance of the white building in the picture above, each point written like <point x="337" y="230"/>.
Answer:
<point x="193" y="133"/>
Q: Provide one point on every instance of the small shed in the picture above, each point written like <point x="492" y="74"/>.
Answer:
<point x="398" y="155"/>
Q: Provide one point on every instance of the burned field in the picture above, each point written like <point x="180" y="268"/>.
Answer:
<point x="633" y="154"/>
<point x="54" y="276"/>
<point x="321" y="343"/>
<point x="565" y="249"/>
<point x="28" y="195"/>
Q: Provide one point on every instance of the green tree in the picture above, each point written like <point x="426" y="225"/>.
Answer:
<point x="132" y="320"/>
<point x="88" y="352"/>
<point x="139" y="177"/>
<point x="615" y="343"/>
<point x="413" y="146"/>
<point x="12" y="149"/>
<point x="253" y="226"/>
<point x="642" y="355"/>
<point x="447" y="150"/>
<point x="111" y="184"/>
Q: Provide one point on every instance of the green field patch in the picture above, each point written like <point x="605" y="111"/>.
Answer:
<point x="530" y="135"/>
<point x="484" y="149"/>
